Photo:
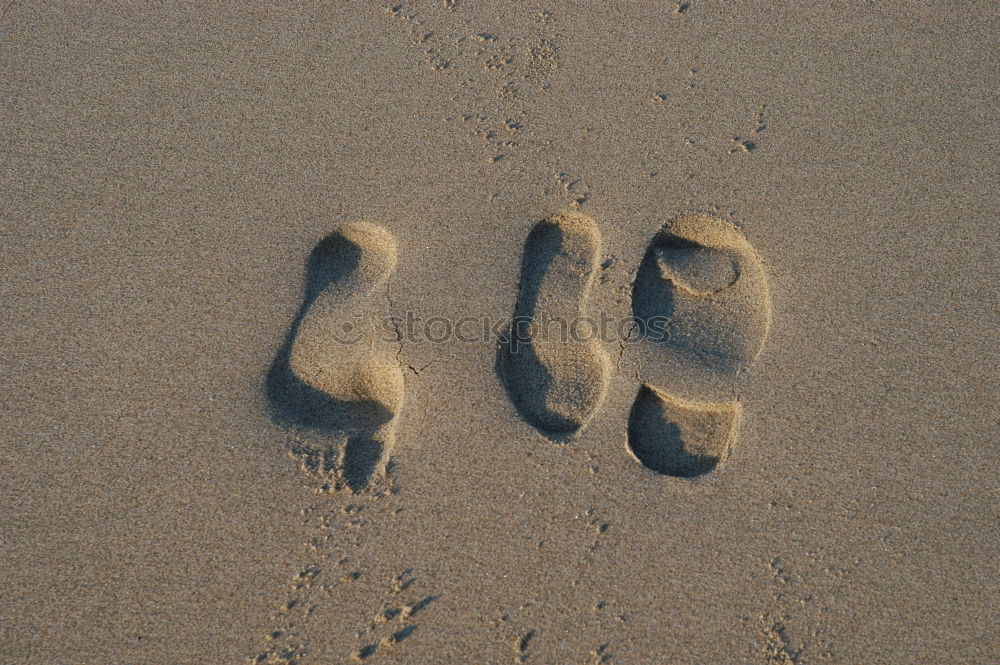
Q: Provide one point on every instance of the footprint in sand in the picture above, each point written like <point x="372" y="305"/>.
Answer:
<point x="334" y="382"/>
<point x="676" y="437"/>
<point x="555" y="378"/>
<point x="701" y="300"/>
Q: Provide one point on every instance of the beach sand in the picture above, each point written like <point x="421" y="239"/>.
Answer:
<point x="167" y="171"/>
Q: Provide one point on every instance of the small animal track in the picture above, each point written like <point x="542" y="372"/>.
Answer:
<point x="555" y="382"/>
<point x="332" y="382"/>
<point x="375" y="607"/>
<point x="680" y="438"/>
<point x="393" y="624"/>
<point x="701" y="297"/>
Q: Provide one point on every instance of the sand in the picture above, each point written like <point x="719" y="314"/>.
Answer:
<point x="169" y="170"/>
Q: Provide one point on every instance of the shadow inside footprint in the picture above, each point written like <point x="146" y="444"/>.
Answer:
<point x="673" y="265"/>
<point x="516" y="358"/>
<point x="525" y="376"/>
<point x="652" y="304"/>
<point x="515" y="361"/>
<point x="679" y="438"/>
<point x="297" y="405"/>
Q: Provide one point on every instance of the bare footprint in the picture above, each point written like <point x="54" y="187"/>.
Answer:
<point x="701" y="299"/>
<point x="554" y="368"/>
<point x="334" y="381"/>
